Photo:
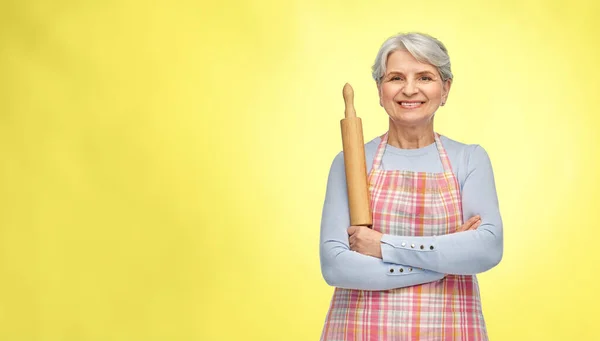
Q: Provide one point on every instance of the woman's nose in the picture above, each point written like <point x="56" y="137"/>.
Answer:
<point x="410" y="89"/>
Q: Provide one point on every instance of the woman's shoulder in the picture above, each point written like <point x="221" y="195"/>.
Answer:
<point x="459" y="146"/>
<point x="455" y="145"/>
<point x="447" y="142"/>
<point x="469" y="155"/>
<point x="371" y="145"/>
<point x="454" y="148"/>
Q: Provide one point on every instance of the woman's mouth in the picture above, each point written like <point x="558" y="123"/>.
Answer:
<point x="410" y="105"/>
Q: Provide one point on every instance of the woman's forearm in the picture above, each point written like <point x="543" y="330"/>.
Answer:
<point x="351" y="270"/>
<point x="344" y="268"/>
<point x="461" y="253"/>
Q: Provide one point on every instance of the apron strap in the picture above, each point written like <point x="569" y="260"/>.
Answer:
<point x="380" y="150"/>
<point x="443" y="155"/>
<point x="438" y="143"/>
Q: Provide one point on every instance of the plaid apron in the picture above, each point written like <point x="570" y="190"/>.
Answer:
<point x="411" y="204"/>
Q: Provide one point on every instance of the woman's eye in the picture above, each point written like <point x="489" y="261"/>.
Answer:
<point x="395" y="78"/>
<point x="426" y="78"/>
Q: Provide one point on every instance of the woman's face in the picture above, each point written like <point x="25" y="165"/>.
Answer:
<point x="411" y="91"/>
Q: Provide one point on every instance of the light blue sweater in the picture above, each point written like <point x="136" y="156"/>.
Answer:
<point x="460" y="253"/>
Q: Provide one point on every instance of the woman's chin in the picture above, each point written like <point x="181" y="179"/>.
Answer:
<point x="411" y="120"/>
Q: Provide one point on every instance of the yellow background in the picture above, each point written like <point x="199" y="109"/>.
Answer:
<point x="163" y="163"/>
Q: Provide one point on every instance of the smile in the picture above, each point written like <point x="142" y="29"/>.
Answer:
<point x="411" y="105"/>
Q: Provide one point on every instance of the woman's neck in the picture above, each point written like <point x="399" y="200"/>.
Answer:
<point x="410" y="137"/>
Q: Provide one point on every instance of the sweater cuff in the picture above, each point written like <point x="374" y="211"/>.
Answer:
<point x="406" y="249"/>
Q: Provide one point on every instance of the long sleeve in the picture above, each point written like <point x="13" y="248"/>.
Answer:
<point x="344" y="268"/>
<point x="462" y="253"/>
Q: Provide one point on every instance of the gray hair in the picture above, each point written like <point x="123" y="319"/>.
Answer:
<point x="425" y="49"/>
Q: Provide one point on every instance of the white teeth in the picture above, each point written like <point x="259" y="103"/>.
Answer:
<point x="411" y="104"/>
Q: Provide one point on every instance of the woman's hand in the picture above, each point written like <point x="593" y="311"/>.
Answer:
<point x="368" y="241"/>
<point x="365" y="240"/>
<point x="470" y="224"/>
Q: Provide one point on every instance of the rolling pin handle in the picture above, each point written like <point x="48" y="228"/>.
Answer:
<point x="349" y="101"/>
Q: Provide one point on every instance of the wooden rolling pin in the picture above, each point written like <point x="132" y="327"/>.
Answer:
<point x="355" y="163"/>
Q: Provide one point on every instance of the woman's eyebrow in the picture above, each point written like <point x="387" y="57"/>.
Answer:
<point x="402" y="73"/>
<point x="393" y="73"/>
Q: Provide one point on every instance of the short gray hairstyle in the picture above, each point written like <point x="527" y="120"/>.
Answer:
<point x="423" y="47"/>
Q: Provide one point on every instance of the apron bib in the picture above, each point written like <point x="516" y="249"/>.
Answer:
<point x="410" y="203"/>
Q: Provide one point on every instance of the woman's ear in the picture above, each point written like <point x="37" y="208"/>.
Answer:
<point x="446" y="90"/>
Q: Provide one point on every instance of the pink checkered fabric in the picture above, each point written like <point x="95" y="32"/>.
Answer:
<point x="411" y="204"/>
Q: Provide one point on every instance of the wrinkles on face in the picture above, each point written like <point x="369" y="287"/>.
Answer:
<point x="411" y="91"/>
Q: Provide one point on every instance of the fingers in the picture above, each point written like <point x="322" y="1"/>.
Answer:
<point x="351" y="236"/>
<point x="470" y="224"/>
<point x="475" y="226"/>
<point x="352" y="230"/>
<point x="476" y="221"/>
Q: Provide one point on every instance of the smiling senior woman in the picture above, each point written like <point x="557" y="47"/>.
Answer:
<point x="412" y="276"/>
